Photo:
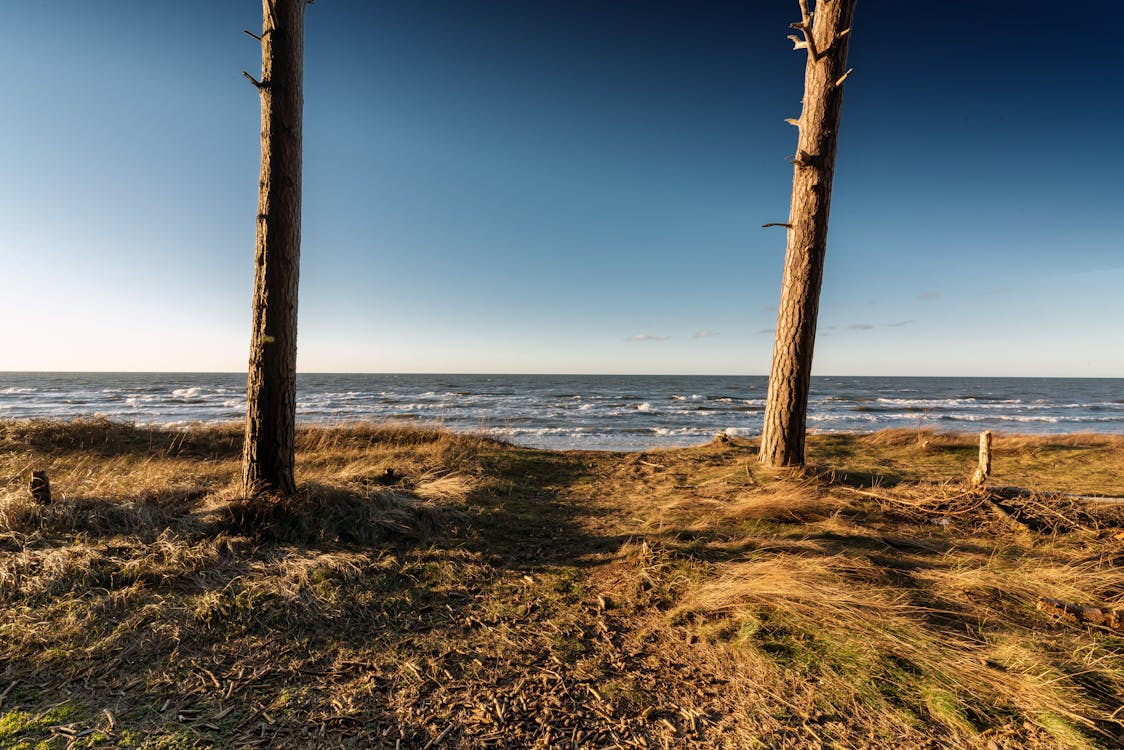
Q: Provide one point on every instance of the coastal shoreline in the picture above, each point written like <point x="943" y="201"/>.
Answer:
<point x="601" y="412"/>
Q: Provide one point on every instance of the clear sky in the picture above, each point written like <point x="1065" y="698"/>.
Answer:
<point x="513" y="186"/>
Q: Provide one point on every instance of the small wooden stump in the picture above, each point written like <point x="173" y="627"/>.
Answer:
<point x="983" y="471"/>
<point x="40" y="487"/>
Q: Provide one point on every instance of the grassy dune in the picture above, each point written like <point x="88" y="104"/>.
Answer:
<point x="495" y="596"/>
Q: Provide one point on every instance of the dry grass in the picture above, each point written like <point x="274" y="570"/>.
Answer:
<point x="483" y="595"/>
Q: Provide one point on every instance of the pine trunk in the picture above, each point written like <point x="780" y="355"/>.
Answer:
<point x="786" y="408"/>
<point x="268" y="450"/>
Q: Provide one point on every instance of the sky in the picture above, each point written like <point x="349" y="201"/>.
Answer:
<point x="506" y="186"/>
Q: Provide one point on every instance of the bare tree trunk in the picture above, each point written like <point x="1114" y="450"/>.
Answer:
<point x="786" y="408"/>
<point x="268" y="450"/>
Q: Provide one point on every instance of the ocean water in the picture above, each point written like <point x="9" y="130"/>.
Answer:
<point x="611" y="412"/>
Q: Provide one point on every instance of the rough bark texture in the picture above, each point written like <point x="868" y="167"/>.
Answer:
<point x="268" y="451"/>
<point x="786" y="408"/>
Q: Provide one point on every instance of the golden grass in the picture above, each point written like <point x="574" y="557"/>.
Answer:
<point x="484" y="595"/>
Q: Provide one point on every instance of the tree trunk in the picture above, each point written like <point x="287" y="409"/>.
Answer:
<point x="786" y="408"/>
<point x="268" y="450"/>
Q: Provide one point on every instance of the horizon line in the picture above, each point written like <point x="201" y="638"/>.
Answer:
<point x="551" y="374"/>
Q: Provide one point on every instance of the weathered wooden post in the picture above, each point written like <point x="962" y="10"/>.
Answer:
<point x="983" y="470"/>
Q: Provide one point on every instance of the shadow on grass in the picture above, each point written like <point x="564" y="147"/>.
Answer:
<point x="861" y="480"/>
<point x="183" y="597"/>
<point x="367" y="615"/>
<point x="530" y="520"/>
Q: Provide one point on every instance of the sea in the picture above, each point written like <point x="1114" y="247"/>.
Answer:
<point x="600" y="412"/>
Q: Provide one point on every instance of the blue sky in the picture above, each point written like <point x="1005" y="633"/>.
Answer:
<point x="504" y="186"/>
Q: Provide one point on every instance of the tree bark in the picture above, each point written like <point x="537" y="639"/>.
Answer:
<point x="268" y="449"/>
<point x="786" y="407"/>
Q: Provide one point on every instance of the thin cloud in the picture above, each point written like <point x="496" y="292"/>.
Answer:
<point x="928" y="295"/>
<point x="901" y="323"/>
<point x="860" y="327"/>
<point x="647" y="337"/>
<point x="764" y="330"/>
<point x="704" y="334"/>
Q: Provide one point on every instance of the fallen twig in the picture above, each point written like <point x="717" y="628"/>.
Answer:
<point x="433" y="742"/>
<point x="1013" y="523"/>
<point x="1023" y="492"/>
<point x="223" y="713"/>
<point x="1071" y="522"/>
<point x="4" y="695"/>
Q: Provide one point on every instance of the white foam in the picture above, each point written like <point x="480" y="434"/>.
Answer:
<point x="1002" y="418"/>
<point x="539" y="430"/>
<point x="946" y="403"/>
<point x="645" y="406"/>
<point x="677" y="431"/>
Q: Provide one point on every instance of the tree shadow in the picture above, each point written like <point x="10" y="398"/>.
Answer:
<point x="863" y="480"/>
<point x="357" y="611"/>
<point x="184" y="598"/>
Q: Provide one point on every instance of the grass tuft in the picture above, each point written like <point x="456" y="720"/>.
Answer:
<point x="321" y="513"/>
